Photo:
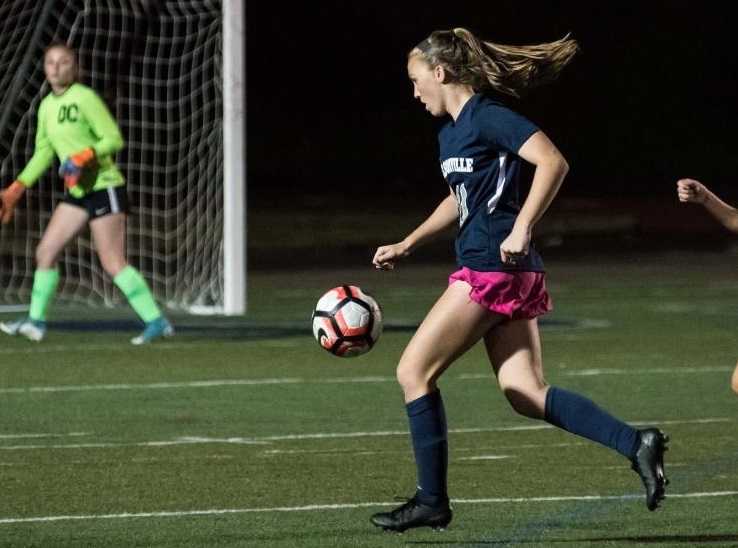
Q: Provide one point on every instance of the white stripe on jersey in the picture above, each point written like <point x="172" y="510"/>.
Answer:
<point x="501" y="180"/>
<point x="113" y="197"/>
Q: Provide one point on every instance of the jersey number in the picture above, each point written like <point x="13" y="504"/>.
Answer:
<point x="460" y="192"/>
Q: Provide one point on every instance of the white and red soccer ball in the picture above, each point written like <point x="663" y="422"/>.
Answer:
<point x="346" y="321"/>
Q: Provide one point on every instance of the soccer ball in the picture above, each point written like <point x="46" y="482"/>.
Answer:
<point x="346" y="321"/>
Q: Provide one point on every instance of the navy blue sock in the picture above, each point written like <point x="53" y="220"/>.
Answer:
<point x="428" y="430"/>
<point x="578" y="415"/>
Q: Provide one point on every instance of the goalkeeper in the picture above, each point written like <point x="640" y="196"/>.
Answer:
<point x="75" y="125"/>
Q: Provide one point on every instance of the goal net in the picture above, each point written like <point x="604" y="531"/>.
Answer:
<point x="158" y="65"/>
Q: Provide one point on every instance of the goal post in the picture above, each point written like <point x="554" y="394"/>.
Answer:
<point x="171" y="72"/>
<point x="234" y="154"/>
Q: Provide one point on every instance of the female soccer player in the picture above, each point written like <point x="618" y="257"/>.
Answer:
<point x="691" y="190"/>
<point x="74" y="124"/>
<point x="499" y="290"/>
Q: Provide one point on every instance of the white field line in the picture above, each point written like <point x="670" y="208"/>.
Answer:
<point x="194" y="384"/>
<point x="264" y="440"/>
<point x="295" y="325"/>
<point x="539" y="426"/>
<point x="382" y="433"/>
<point x="22" y="436"/>
<point x="616" y="467"/>
<point x="487" y="457"/>
<point x="344" y="506"/>
<point x="337" y="380"/>
<point x="333" y="452"/>
<point x="190" y="440"/>
<point x="13" y="308"/>
<point x="119" y="347"/>
<point x="650" y="371"/>
<point x="169" y="459"/>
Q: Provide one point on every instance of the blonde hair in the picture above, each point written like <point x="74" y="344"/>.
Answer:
<point x="483" y="65"/>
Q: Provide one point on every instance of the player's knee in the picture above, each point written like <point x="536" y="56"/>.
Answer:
<point x="734" y="380"/>
<point x="411" y="379"/>
<point x="407" y="378"/>
<point x="526" y="402"/>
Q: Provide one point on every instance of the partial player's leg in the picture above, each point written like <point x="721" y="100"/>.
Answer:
<point x="66" y="221"/>
<point x="734" y="380"/>
<point x="452" y="326"/>
<point x="514" y="350"/>
<point x="109" y="235"/>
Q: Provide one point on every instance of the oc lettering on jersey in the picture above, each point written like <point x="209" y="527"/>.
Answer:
<point x="68" y="113"/>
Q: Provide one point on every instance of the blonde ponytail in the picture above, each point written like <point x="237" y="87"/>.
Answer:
<point x="486" y="65"/>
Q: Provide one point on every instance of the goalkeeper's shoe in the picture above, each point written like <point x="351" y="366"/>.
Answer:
<point x="33" y="330"/>
<point x="155" y="329"/>
<point x="649" y="463"/>
<point x="414" y="514"/>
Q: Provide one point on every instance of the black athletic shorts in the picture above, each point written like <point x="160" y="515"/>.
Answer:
<point x="101" y="202"/>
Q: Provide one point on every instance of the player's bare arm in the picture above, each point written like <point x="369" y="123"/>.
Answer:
<point x="691" y="190"/>
<point x="442" y="218"/>
<point x="551" y="168"/>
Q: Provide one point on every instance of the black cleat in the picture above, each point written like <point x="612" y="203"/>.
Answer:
<point x="414" y="514"/>
<point x="649" y="463"/>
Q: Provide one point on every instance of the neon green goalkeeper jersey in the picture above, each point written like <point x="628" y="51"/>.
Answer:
<point x="69" y="123"/>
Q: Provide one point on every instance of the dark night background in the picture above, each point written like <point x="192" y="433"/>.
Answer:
<point x="650" y="98"/>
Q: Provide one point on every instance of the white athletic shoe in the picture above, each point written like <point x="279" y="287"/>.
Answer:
<point x="33" y="330"/>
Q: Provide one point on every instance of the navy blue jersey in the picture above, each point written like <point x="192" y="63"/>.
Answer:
<point x="479" y="161"/>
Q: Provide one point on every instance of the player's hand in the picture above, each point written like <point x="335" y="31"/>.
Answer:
<point x="8" y="200"/>
<point x="71" y="168"/>
<point x="387" y="255"/>
<point x="515" y="247"/>
<point x="691" y="190"/>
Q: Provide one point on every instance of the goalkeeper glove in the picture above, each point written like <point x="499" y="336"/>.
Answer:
<point x="71" y="168"/>
<point x="8" y="198"/>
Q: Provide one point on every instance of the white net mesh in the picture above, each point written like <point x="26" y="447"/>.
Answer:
<point x="158" y="66"/>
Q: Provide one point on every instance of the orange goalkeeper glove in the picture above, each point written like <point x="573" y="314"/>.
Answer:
<point x="8" y="199"/>
<point x="71" y="168"/>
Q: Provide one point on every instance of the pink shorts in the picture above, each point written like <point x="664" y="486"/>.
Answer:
<point x="516" y="295"/>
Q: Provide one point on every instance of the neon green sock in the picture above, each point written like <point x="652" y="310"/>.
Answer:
<point x="136" y="290"/>
<point x="45" y="282"/>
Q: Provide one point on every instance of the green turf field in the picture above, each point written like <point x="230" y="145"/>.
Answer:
<point x="243" y="432"/>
